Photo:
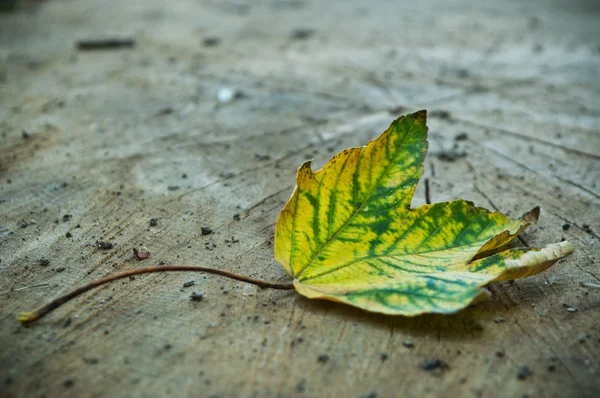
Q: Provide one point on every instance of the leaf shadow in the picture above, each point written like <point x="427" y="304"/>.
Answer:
<point x="467" y="324"/>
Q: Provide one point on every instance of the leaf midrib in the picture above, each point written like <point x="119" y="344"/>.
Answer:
<point x="400" y="147"/>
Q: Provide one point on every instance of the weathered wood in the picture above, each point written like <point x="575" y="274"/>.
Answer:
<point x="97" y="144"/>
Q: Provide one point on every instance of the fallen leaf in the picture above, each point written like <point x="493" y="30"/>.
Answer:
<point x="348" y="233"/>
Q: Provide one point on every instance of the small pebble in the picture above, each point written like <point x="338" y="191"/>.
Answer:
<point x="302" y="33"/>
<point x="197" y="296"/>
<point x="104" y="245"/>
<point x="499" y="320"/>
<point x="432" y="364"/>
<point x="524" y="372"/>
<point x="408" y="343"/>
<point x="206" y="230"/>
<point x="323" y="358"/>
<point x="189" y="284"/>
<point x="211" y="41"/>
<point x="227" y="95"/>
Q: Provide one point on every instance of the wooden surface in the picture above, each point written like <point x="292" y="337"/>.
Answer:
<point x="98" y="143"/>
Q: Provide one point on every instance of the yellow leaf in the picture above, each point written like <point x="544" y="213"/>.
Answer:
<point x="348" y="233"/>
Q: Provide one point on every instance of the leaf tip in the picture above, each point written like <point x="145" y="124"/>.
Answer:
<point x="304" y="171"/>
<point x="532" y="215"/>
<point x="422" y="114"/>
<point x="535" y="261"/>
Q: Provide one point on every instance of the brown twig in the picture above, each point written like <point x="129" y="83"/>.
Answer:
<point x="28" y="317"/>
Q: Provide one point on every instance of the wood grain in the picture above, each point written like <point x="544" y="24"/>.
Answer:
<point x="97" y="144"/>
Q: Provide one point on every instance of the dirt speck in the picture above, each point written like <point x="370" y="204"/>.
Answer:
<point x="206" y="230"/>
<point x="302" y="34"/>
<point x="91" y="360"/>
<point x="434" y="364"/>
<point x="323" y="358"/>
<point x="301" y="386"/>
<point x="369" y="394"/>
<point x="211" y="41"/>
<point x="440" y="114"/>
<point x="104" y="245"/>
<point x="259" y="156"/>
<point x="408" y="343"/>
<point x="197" y="296"/>
<point x="524" y="372"/>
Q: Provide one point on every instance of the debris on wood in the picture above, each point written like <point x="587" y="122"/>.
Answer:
<point x="227" y="95"/>
<point x="104" y="245"/>
<point x="590" y="285"/>
<point x="206" y="230"/>
<point x="104" y="44"/>
<point x="524" y="372"/>
<point x="408" y="343"/>
<point x="141" y="254"/>
<point x="197" y="296"/>
<point x="302" y="33"/>
<point x="323" y="358"/>
<point x="440" y="114"/>
<point x="434" y="364"/>
<point x="212" y="41"/>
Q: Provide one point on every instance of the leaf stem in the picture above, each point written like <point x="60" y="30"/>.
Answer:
<point x="28" y="317"/>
